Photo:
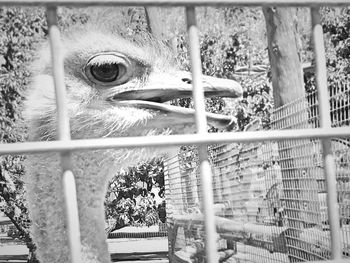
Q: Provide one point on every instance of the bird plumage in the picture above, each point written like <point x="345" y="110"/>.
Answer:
<point x="88" y="100"/>
<point x="115" y="88"/>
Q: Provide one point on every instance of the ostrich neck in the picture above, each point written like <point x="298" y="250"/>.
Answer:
<point x="92" y="170"/>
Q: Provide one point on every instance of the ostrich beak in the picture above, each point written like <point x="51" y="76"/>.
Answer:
<point x="163" y="87"/>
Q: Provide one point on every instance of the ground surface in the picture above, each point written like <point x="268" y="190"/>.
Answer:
<point x="122" y="250"/>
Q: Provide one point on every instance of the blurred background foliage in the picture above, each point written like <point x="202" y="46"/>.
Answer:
<point x="233" y="45"/>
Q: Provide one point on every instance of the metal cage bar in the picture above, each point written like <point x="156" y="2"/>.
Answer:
<point x="325" y="122"/>
<point x="172" y="140"/>
<point x="201" y="124"/>
<point x="306" y="3"/>
<point x="63" y="132"/>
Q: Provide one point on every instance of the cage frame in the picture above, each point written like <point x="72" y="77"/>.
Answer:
<point x="65" y="145"/>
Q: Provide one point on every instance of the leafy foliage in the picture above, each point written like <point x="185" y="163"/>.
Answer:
<point x="336" y="26"/>
<point x="239" y="56"/>
<point x="130" y="199"/>
<point x="22" y="29"/>
<point x="336" y="29"/>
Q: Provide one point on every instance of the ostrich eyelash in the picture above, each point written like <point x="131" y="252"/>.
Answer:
<point x="107" y="58"/>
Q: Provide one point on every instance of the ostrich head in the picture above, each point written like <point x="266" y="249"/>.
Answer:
<point x="118" y="87"/>
<point x="115" y="87"/>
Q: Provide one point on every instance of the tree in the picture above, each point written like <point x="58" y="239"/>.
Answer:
<point x="22" y="29"/>
<point x="288" y="87"/>
<point x="130" y="199"/>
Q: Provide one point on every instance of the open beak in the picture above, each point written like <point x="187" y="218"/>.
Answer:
<point x="163" y="87"/>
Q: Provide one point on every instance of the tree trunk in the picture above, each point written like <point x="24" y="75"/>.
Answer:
<point x="25" y="237"/>
<point x="32" y="257"/>
<point x="156" y="26"/>
<point x="287" y="77"/>
<point x="299" y="184"/>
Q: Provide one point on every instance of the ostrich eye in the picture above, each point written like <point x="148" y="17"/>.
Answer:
<point x="106" y="72"/>
<point x="108" y="69"/>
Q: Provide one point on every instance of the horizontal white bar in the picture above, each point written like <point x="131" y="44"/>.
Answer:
<point x="178" y="2"/>
<point x="211" y="138"/>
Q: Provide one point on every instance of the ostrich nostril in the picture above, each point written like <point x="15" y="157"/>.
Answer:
<point x="187" y="80"/>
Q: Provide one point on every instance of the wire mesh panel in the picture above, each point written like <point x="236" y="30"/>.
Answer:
<point x="273" y="192"/>
<point x="303" y="177"/>
<point x="301" y="174"/>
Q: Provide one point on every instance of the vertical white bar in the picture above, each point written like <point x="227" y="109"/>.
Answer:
<point x="325" y="122"/>
<point x="195" y="57"/>
<point x="208" y="206"/>
<point x="63" y="132"/>
<point x="168" y="204"/>
<point x="58" y="73"/>
<point x="201" y="122"/>
<point x="73" y="217"/>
